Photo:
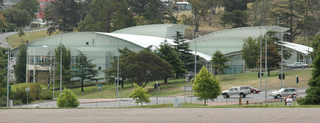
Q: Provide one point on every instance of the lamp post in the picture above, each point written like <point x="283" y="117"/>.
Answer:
<point x="61" y="64"/>
<point x="8" y="52"/>
<point x="281" y="76"/>
<point x="117" y="89"/>
<point x="54" y="72"/>
<point x="260" y="57"/>
<point x="265" y="64"/>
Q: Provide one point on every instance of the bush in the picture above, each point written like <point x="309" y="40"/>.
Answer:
<point x="67" y="99"/>
<point x="21" y="94"/>
<point x="3" y="100"/>
<point x="46" y="95"/>
<point x="35" y="90"/>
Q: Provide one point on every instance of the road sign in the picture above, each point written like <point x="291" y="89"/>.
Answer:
<point x="27" y="89"/>
<point x="187" y="88"/>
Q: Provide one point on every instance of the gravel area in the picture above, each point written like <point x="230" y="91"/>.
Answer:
<point x="162" y="115"/>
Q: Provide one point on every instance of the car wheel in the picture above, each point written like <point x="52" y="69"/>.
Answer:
<point x="225" y="96"/>
<point x="255" y="92"/>
<point x="278" y="96"/>
<point x="242" y="95"/>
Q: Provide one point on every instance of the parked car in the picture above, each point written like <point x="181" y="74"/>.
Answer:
<point x="252" y="89"/>
<point x="239" y="90"/>
<point x="297" y="65"/>
<point x="284" y="92"/>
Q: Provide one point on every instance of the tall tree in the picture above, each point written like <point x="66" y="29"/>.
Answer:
<point x="273" y="55"/>
<point x="146" y="66"/>
<point x="291" y="15"/>
<point x="66" y="54"/>
<point x="156" y="13"/>
<point x="315" y="45"/>
<point x="20" y="18"/>
<point x="166" y="52"/>
<point x="206" y="86"/>
<point x="231" y="5"/>
<point x="20" y="67"/>
<point x="262" y="10"/>
<point x="3" y="70"/>
<point x="138" y="6"/>
<point x="31" y="6"/>
<point x="183" y="50"/>
<point x="107" y="16"/>
<point x="3" y="24"/>
<point x="64" y="13"/>
<point x="313" y="92"/>
<point x="236" y="18"/>
<point x="212" y="5"/>
<point x="218" y="60"/>
<point x="250" y="51"/>
<point x="84" y="68"/>
<point x="199" y="9"/>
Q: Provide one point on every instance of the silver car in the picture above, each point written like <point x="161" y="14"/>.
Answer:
<point x="297" y="65"/>
<point x="284" y="92"/>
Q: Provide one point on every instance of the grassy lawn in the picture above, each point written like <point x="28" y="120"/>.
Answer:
<point x="174" y="86"/>
<point x="15" y="40"/>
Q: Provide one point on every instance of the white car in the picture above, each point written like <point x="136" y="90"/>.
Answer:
<point x="239" y="90"/>
<point x="297" y="65"/>
<point x="284" y="92"/>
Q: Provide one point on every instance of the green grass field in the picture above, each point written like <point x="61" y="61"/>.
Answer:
<point x="174" y="86"/>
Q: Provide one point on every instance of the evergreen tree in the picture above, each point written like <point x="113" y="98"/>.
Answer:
<point x="107" y="16"/>
<point x="315" y="45"/>
<point x="218" y="60"/>
<point x="313" y="92"/>
<point x="231" y="5"/>
<point x="64" y="13"/>
<point x="84" y="68"/>
<point x="206" y="86"/>
<point x="166" y="52"/>
<point x="294" y="14"/>
<point x="66" y="54"/>
<point x="250" y="51"/>
<point x="3" y="70"/>
<point x="236" y="18"/>
<point x="20" y="67"/>
<point x="183" y="50"/>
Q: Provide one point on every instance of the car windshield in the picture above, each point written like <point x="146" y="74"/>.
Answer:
<point x="281" y="90"/>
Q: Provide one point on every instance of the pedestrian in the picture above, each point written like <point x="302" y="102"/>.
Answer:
<point x="289" y="101"/>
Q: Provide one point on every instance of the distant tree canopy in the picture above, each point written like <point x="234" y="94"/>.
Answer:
<point x="115" y="15"/>
<point x="231" y="5"/>
<point x="236" y="18"/>
<point x="31" y="6"/>
<point x="20" y="18"/>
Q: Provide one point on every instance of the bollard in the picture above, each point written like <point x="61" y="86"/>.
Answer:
<point x="239" y="101"/>
<point x="247" y="102"/>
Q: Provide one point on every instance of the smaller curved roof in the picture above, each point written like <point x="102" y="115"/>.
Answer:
<point x="205" y="56"/>
<point x="143" y="41"/>
<point x="298" y="47"/>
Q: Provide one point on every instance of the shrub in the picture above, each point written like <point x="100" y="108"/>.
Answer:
<point x="21" y="94"/>
<point x="46" y="95"/>
<point x="35" y="90"/>
<point x="140" y="95"/>
<point x="67" y="99"/>
<point x="3" y="100"/>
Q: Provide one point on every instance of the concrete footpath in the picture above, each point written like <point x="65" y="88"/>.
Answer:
<point x="162" y="115"/>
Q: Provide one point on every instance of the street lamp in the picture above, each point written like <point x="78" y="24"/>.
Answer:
<point x="260" y="57"/>
<point x="281" y="76"/>
<point x="54" y="72"/>
<point x="8" y="52"/>
<point x="195" y="57"/>
<point x="61" y="64"/>
<point x="117" y="89"/>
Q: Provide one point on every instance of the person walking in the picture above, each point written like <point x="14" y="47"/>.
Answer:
<point x="289" y="101"/>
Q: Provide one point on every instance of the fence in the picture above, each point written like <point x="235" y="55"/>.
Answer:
<point x="162" y="101"/>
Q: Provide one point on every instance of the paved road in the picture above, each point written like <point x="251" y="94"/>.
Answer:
<point x="125" y="102"/>
<point x="162" y="115"/>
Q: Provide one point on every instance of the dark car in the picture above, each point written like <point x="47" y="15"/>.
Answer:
<point x="252" y="89"/>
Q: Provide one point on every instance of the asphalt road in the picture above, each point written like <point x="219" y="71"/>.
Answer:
<point x="125" y="102"/>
